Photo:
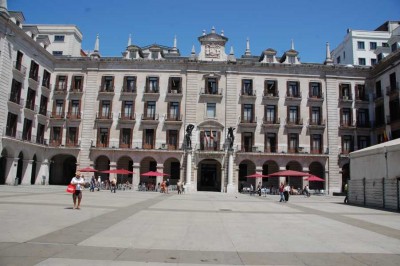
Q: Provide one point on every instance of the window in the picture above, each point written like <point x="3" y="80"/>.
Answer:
<point x="316" y="144"/>
<point x="372" y="45"/>
<point x="362" y="118"/>
<point x="344" y="55"/>
<point x="345" y="91"/>
<point x="270" y="114"/>
<point x="211" y="86"/>
<point x="393" y="82"/>
<point x="43" y="105"/>
<point x="133" y="54"/>
<point x="248" y="113"/>
<point x="30" y="99"/>
<point x="15" y="95"/>
<point x="74" y="110"/>
<point x="27" y="130"/>
<point x="58" y="108"/>
<point x="346" y="117"/>
<point x="46" y="79"/>
<point x="211" y="110"/>
<point x="102" y="138"/>
<point x="338" y="59"/>
<point x="150" y="110"/>
<point x="293" y="89"/>
<point x="247" y="87"/>
<point x="291" y="59"/>
<point x="360" y="45"/>
<point x="152" y="85"/>
<point x="293" y="141"/>
<point x="315" y="115"/>
<point x="40" y="134"/>
<point x="125" y="138"/>
<point x="61" y="83"/>
<point x="379" y="57"/>
<point x="361" y="61"/>
<point x="18" y="62"/>
<point x="315" y="89"/>
<point x="173" y="111"/>
<point x="127" y="110"/>
<point x="77" y="83"/>
<point x="363" y="142"/>
<point x="11" y="129"/>
<point x="108" y="84"/>
<point x="373" y="61"/>
<point x="394" y="110"/>
<point x="172" y="139"/>
<point x="247" y="141"/>
<point x="209" y="140"/>
<point x="175" y="85"/>
<point x="380" y="115"/>
<point x="378" y="89"/>
<point x="34" y="71"/>
<point x="394" y="47"/>
<point x="271" y="87"/>
<point x="129" y="84"/>
<point x="347" y="144"/>
<point x="270" y="142"/>
<point x="72" y="136"/>
<point x="56" y="136"/>
<point x="105" y="109"/>
<point x="385" y="44"/>
<point x="361" y="93"/>
<point x="293" y="115"/>
<point x="154" y="55"/>
<point x="59" y="38"/>
<point x="57" y="53"/>
<point x="149" y="137"/>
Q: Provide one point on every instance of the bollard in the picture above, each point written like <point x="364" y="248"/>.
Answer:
<point x="16" y="181"/>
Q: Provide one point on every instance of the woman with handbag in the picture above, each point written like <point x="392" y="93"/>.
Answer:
<point x="79" y="183"/>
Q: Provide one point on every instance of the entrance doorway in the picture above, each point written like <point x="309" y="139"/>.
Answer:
<point x="209" y="176"/>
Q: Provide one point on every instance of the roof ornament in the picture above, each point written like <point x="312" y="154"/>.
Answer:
<point x="213" y="29"/>
<point x="231" y="56"/>
<point x="3" y="7"/>
<point x="222" y="33"/>
<point x="247" y="52"/>
<point x="328" y="60"/>
<point x="129" y="40"/>
<point x="292" y="45"/>
<point x="193" y="54"/>
<point x="174" y="49"/>
<point x="96" y="53"/>
<point x="204" y="32"/>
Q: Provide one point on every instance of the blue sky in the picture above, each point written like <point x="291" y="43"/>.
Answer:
<point x="267" y="23"/>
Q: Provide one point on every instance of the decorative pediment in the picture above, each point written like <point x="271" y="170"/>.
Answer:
<point x="211" y="75"/>
<point x="210" y="124"/>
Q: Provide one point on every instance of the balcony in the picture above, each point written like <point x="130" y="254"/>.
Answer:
<point x="128" y="93"/>
<point x="363" y="124"/>
<point x="149" y="119"/>
<point x="124" y="118"/>
<point x="293" y="97"/>
<point x="106" y="90"/>
<point x="294" y="123"/>
<point x="75" y="91"/>
<point x="347" y="125"/>
<point x="270" y="96"/>
<point x="315" y="98"/>
<point x="271" y="122"/>
<point x="104" y="117"/>
<point x="46" y="87"/>
<point x="174" y="95"/>
<point x="316" y="124"/>
<point x="248" y="122"/>
<point x="345" y="100"/>
<point x="211" y="94"/>
<point x="15" y="99"/>
<point x="210" y="146"/>
<point x="34" y="82"/>
<point x="173" y="118"/>
<point x="72" y="143"/>
<point x="248" y="94"/>
<point x="19" y="69"/>
<point x="74" y="115"/>
<point x="60" y="89"/>
<point x="44" y="112"/>
<point x="57" y="115"/>
<point x="55" y="142"/>
<point x="393" y="90"/>
<point x="378" y="98"/>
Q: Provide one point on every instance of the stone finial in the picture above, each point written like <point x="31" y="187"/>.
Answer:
<point x="193" y="54"/>
<point x="213" y="29"/>
<point x="231" y="52"/>
<point x="174" y="49"/>
<point x="204" y="32"/>
<point x="247" y="52"/>
<point x="3" y="7"/>
<point x="97" y="44"/>
<point x="129" y="40"/>
<point x="292" y="45"/>
<point x="175" y="41"/>
<point x="222" y="33"/>
<point x="328" y="60"/>
<point x="193" y="50"/>
<point x="231" y="56"/>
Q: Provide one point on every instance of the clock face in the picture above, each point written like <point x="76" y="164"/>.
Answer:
<point x="213" y="50"/>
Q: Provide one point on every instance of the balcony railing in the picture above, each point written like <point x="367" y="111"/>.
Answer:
<point x="347" y="124"/>
<point x="271" y="121"/>
<point x="210" y="146"/>
<point x="21" y="68"/>
<point x="72" y="89"/>
<point x="148" y="89"/>
<point x="248" y="92"/>
<point x="316" y="122"/>
<point x="60" y="88"/>
<point x="210" y="91"/>
<point x="57" y="115"/>
<point x="345" y="98"/>
<point x="123" y="116"/>
<point x="269" y="94"/>
<point x="174" y="91"/>
<point x="149" y="116"/>
<point x="128" y="89"/>
<point x="55" y="142"/>
<point x="173" y="117"/>
<point x="363" y="124"/>
<point x="294" y="122"/>
<point x="293" y="95"/>
<point x="106" y="116"/>
<point x="74" y="115"/>
<point x="17" y="100"/>
<point x="248" y="120"/>
<point x="72" y="143"/>
<point x="106" y="89"/>
<point x="279" y="149"/>
<point x="312" y="96"/>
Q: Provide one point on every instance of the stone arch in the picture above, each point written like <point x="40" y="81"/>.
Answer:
<point x="270" y="167"/>
<point x="148" y="164"/>
<point x="62" y="169"/>
<point x="102" y="163"/>
<point x="3" y="166"/>
<point x="20" y="166"/>
<point x="246" y="167"/>
<point x="295" y="182"/>
<point x="172" y="166"/>
<point x="125" y="162"/>
<point x="33" y="172"/>
<point x="317" y="169"/>
<point x="209" y="175"/>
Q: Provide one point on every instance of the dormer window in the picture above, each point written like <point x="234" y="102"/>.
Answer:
<point x="133" y="55"/>
<point x="154" y="55"/>
<point x="291" y="59"/>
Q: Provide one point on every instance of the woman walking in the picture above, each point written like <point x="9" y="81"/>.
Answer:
<point x="79" y="183"/>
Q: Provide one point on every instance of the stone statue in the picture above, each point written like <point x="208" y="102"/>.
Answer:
<point x="231" y="137"/>
<point x="188" y="136"/>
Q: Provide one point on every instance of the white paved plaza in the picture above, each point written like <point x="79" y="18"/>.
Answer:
<point x="39" y="227"/>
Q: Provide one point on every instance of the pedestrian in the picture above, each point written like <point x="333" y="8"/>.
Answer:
<point x="307" y="191"/>
<point x="163" y="187"/>
<point x="281" y="189"/>
<point x="167" y="184"/>
<point x="286" y="191"/>
<point x="98" y="183"/>
<point x="346" y="188"/>
<point x="92" y="184"/>
<point x="113" y="185"/>
<point x="259" y="189"/>
<point x="79" y="183"/>
<point x="178" y="185"/>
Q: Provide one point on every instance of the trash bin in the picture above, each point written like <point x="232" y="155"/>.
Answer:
<point x="16" y="181"/>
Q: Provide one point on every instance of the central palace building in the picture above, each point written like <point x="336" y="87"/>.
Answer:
<point x="63" y="109"/>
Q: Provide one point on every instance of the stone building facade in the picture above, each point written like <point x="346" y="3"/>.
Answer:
<point x="64" y="113"/>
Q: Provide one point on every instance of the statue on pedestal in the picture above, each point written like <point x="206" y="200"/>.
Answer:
<point x="188" y="136"/>
<point x="231" y="137"/>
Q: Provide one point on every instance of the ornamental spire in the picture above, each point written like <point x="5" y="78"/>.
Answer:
<point x="3" y="7"/>
<point x="292" y="45"/>
<point x="129" y="40"/>
<point x="328" y="60"/>
<point x="97" y="44"/>
<point x="247" y="52"/>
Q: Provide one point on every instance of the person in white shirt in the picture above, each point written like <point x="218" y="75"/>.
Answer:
<point x="79" y="183"/>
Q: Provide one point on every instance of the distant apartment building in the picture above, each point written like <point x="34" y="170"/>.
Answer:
<point x="63" y="112"/>
<point x="359" y="46"/>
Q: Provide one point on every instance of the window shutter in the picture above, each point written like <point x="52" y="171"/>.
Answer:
<point x="66" y="83"/>
<point x="73" y="83"/>
<point x="169" y="84"/>
<point x="341" y="116"/>
<point x="310" y="93"/>
<point x="81" y="85"/>
<point x="147" y="84"/>
<point x="201" y="140"/>
<point x="57" y="81"/>
<point x="167" y="137"/>
<point x="253" y="118"/>
<point x="180" y="84"/>
<point x="218" y="138"/>
<point x="340" y="90"/>
<point x="154" y="138"/>
<point x="145" y="109"/>
<point x="112" y="84"/>
<point x="242" y="88"/>
<point x="125" y="85"/>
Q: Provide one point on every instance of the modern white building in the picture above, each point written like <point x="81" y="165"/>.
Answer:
<point x="359" y="46"/>
<point x="62" y="113"/>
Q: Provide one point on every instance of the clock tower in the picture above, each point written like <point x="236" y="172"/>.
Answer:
<point x="212" y="47"/>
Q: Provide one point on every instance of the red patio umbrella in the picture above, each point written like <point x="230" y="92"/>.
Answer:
<point x="314" y="178"/>
<point x="88" y="169"/>
<point x="154" y="173"/>
<point x="256" y="175"/>
<point x="289" y="173"/>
